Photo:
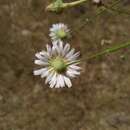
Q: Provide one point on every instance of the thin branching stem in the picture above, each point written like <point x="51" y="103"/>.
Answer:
<point x="108" y="51"/>
<point x="116" y="10"/>
<point x="104" y="7"/>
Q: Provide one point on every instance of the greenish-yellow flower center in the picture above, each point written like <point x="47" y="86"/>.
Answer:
<point x="58" y="64"/>
<point x="61" y="34"/>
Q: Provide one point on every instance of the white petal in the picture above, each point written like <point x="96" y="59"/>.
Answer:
<point x="61" y="25"/>
<point x="44" y="54"/>
<point x="75" y="67"/>
<point x="52" y="34"/>
<point x="53" y="81"/>
<point x="74" y="56"/>
<point x="54" y="38"/>
<point x="74" y="72"/>
<point x="56" y="47"/>
<point x="40" y="62"/>
<point x="61" y="80"/>
<point x="67" y="81"/>
<point x="61" y="46"/>
<point x="69" y="74"/>
<point x="57" y="84"/>
<point x="66" y="49"/>
<point x="54" y="50"/>
<point x="48" y="49"/>
<point x="49" y="77"/>
<point x="54" y="25"/>
<point x="39" y="71"/>
<point x="45" y="73"/>
<point x="71" y="52"/>
<point x="53" y="28"/>
<point x="38" y="55"/>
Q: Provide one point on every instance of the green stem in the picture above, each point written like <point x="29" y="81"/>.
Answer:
<point x="99" y="11"/>
<point x="118" y="10"/>
<point x="71" y="4"/>
<point x="104" y="7"/>
<point x="110" y="50"/>
<point x="54" y="7"/>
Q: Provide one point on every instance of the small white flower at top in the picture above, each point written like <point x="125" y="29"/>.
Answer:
<point x="58" y="64"/>
<point x="59" y="32"/>
<point x="97" y="1"/>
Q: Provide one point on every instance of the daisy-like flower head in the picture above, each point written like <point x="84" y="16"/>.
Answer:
<point x="59" y="32"/>
<point x="59" y="63"/>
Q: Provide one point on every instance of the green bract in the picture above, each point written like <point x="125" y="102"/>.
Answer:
<point x="55" y="6"/>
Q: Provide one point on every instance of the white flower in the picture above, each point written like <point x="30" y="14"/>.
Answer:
<point x="58" y="32"/>
<point x="97" y="1"/>
<point x="59" y="63"/>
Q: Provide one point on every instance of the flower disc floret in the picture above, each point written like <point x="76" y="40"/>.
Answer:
<point x="58" y="64"/>
<point x="61" y="34"/>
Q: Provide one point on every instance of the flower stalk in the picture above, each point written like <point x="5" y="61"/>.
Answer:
<point x="110" y="50"/>
<point x="58" y="5"/>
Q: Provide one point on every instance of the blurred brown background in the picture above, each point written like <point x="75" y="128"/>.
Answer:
<point x="100" y="96"/>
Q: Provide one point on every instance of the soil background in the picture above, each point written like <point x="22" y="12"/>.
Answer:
<point x="99" y="98"/>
